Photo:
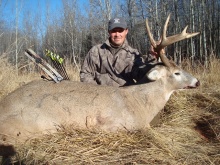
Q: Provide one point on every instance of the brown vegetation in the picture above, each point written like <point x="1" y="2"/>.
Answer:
<point x="189" y="132"/>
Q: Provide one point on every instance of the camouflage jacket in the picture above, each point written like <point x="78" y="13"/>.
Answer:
<point x="106" y="65"/>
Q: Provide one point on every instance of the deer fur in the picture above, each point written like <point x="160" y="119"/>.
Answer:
<point x="40" y="106"/>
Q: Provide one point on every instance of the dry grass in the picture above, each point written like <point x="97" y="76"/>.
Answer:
<point x="10" y="79"/>
<point x="189" y="132"/>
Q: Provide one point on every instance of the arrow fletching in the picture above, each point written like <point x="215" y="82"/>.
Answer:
<point x="53" y="56"/>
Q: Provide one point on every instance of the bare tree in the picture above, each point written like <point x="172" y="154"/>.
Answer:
<point x="71" y="33"/>
<point x="204" y="32"/>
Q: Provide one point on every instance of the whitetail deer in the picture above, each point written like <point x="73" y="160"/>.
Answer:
<point x="39" y="106"/>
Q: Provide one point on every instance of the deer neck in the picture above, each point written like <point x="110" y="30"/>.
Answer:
<point x="146" y="100"/>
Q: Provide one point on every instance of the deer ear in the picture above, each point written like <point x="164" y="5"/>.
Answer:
<point x="154" y="74"/>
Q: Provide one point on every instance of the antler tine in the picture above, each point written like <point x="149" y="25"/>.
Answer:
<point x="152" y="41"/>
<point x="164" y="37"/>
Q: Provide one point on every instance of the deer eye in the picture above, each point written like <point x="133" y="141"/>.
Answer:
<point x="177" y="73"/>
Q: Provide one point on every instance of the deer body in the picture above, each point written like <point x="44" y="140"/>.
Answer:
<point x="40" y="105"/>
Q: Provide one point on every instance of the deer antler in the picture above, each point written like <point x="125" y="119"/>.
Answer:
<point x="165" y="41"/>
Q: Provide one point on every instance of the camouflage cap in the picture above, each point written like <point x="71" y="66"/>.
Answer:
<point x="117" y="22"/>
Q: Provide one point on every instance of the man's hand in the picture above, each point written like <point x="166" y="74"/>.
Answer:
<point x="154" y="53"/>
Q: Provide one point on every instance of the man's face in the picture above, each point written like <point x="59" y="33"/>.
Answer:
<point x="118" y="35"/>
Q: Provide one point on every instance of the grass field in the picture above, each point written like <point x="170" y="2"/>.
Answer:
<point x="188" y="133"/>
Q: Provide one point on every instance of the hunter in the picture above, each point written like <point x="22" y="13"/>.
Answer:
<point x="114" y="62"/>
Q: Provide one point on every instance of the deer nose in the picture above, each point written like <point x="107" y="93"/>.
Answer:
<point x="198" y="83"/>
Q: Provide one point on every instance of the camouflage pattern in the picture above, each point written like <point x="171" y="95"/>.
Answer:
<point x="107" y="65"/>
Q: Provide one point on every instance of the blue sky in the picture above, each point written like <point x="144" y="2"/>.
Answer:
<point x="8" y="8"/>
